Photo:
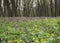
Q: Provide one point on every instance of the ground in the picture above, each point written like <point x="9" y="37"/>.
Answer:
<point x="29" y="30"/>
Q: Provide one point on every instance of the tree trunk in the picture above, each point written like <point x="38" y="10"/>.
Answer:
<point x="7" y="7"/>
<point x="14" y="8"/>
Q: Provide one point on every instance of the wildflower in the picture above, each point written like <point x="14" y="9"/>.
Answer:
<point x="44" y="40"/>
<point x="20" y="40"/>
<point x="41" y="40"/>
<point x="9" y="41"/>
<point x="15" y="40"/>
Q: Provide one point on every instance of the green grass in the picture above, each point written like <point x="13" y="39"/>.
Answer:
<point x="41" y="31"/>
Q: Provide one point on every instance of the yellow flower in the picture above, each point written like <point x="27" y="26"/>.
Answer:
<point x="15" y="40"/>
<point x="44" y="40"/>
<point x="20" y="40"/>
<point x="41" y="40"/>
<point x="9" y="41"/>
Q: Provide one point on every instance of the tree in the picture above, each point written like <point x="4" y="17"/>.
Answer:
<point x="7" y="8"/>
<point x="51" y="6"/>
<point x="14" y="8"/>
<point x="1" y="12"/>
<point x="57" y="8"/>
<point x="42" y="8"/>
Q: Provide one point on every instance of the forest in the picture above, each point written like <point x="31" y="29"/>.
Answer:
<point x="29" y="8"/>
<point x="29" y="21"/>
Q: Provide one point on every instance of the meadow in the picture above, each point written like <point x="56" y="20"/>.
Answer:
<point x="33" y="31"/>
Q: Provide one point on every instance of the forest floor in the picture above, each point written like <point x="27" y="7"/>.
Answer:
<point x="23" y="19"/>
<point x="30" y="29"/>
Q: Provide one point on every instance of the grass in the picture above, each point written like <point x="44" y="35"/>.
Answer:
<point x="34" y="31"/>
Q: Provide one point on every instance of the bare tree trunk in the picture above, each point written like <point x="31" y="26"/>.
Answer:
<point x="51" y="6"/>
<point x="39" y="8"/>
<point x="24" y="8"/>
<point x="43" y="8"/>
<point x="31" y="8"/>
<point x="28" y="7"/>
<point x="7" y="7"/>
<point x="46" y="7"/>
<point x="56" y="8"/>
<point x="1" y="11"/>
<point x="0" y="6"/>
<point x="14" y="8"/>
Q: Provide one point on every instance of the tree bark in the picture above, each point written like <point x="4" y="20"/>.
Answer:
<point x="14" y="8"/>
